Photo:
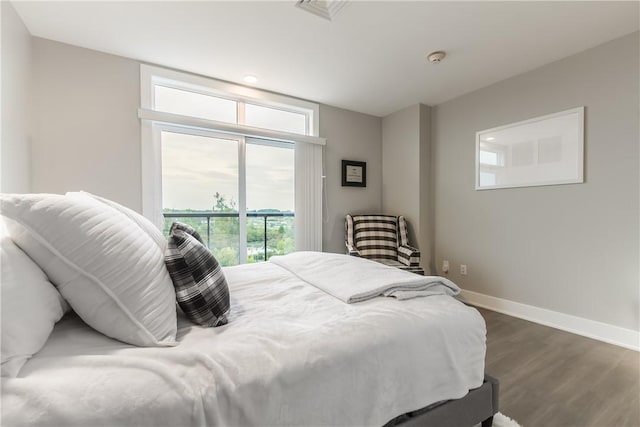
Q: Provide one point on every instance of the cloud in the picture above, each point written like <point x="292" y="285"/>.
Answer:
<point x="194" y="168"/>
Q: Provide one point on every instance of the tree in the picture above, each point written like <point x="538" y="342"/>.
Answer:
<point x="222" y="233"/>
<point x="221" y="205"/>
<point x="224" y="230"/>
<point x="226" y="256"/>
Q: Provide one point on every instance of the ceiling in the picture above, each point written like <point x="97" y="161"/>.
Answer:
<point x="369" y="58"/>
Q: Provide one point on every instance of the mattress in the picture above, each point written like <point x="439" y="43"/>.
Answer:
<point x="291" y="354"/>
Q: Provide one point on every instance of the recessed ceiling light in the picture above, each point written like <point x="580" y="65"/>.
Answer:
<point x="250" y="78"/>
<point x="490" y="138"/>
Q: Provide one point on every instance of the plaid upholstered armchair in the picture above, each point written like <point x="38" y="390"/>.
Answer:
<point x="382" y="238"/>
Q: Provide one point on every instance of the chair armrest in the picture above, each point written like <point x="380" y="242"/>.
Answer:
<point x="351" y="250"/>
<point x="408" y="255"/>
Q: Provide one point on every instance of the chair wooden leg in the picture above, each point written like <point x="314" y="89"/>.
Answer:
<point x="488" y="422"/>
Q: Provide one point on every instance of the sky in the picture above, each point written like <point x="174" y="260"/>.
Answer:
<point x="194" y="168"/>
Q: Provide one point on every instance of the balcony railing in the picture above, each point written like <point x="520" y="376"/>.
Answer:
<point x="209" y="217"/>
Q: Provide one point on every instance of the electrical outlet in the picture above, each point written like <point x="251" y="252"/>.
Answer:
<point x="445" y="266"/>
<point x="463" y="269"/>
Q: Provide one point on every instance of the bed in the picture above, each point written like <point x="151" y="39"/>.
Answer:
<point x="306" y="342"/>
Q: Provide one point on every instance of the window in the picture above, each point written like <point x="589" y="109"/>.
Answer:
<point x="236" y="192"/>
<point x="194" y="104"/>
<point x="232" y="162"/>
<point x="204" y="98"/>
<point x="200" y="187"/>
<point x="272" y="118"/>
<point x="270" y="198"/>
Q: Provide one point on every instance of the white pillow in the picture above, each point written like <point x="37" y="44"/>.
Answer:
<point x="146" y="225"/>
<point x="109" y="271"/>
<point x="31" y="306"/>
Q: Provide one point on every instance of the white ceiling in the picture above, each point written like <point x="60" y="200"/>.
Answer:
<point x="370" y="58"/>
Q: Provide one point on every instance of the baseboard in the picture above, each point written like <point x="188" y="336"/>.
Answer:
<point x="611" y="334"/>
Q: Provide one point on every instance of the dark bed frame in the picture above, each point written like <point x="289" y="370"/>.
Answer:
<point x="477" y="407"/>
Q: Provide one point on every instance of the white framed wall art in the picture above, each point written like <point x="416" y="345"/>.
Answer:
<point x="546" y="150"/>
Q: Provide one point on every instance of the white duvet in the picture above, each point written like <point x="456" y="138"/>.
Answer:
<point x="290" y="355"/>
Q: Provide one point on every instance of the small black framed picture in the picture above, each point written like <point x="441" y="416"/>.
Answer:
<point x="354" y="173"/>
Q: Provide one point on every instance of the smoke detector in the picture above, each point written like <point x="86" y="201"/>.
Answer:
<point x="436" y="57"/>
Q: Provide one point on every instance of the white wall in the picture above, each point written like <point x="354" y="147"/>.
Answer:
<point x="350" y="136"/>
<point x="88" y="135"/>
<point x="16" y="96"/>
<point x="572" y="249"/>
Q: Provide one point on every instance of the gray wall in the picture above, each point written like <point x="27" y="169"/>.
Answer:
<point x="16" y="97"/>
<point x="426" y="242"/>
<point x="401" y="167"/>
<point x="87" y="132"/>
<point x="567" y="248"/>
<point x="570" y="248"/>
<point x="406" y="174"/>
<point x="87" y="135"/>
<point x="350" y="136"/>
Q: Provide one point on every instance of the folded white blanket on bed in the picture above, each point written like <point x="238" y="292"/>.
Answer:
<point x="361" y="279"/>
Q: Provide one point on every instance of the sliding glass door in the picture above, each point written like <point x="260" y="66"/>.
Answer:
<point x="270" y="198"/>
<point x="237" y="192"/>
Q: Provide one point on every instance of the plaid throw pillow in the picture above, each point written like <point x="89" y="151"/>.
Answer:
<point x="187" y="229"/>
<point x="201" y="288"/>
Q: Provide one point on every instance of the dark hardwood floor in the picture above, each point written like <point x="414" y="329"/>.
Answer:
<point x="554" y="378"/>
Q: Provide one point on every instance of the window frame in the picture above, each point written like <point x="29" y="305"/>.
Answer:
<point x="151" y="75"/>
<point x="158" y="128"/>
<point x="173" y="85"/>
<point x="308" y="148"/>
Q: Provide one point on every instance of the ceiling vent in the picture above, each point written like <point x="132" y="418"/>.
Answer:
<point x="326" y="9"/>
